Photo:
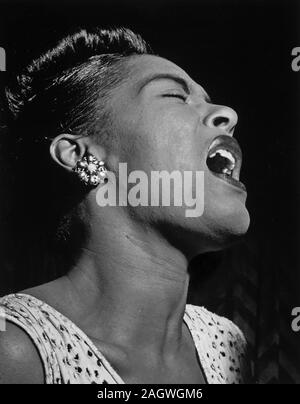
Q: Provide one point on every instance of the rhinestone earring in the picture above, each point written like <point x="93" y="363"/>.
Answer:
<point x="90" y="170"/>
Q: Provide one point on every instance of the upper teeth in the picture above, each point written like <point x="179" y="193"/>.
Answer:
<point x="226" y="154"/>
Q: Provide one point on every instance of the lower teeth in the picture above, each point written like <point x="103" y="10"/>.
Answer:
<point x="226" y="171"/>
<point x="220" y="164"/>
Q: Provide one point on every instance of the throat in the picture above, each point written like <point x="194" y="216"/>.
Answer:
<point x="138" y="367"/>
<point x="140" y="295"/>
<point x="141" y="317"/>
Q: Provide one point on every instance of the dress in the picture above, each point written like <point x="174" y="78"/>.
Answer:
<point x="70" y="357"/>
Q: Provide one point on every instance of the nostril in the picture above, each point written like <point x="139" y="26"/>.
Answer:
<point x="220" y="121"/>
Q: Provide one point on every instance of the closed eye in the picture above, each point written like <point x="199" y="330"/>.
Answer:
<point x="176" y="95"/>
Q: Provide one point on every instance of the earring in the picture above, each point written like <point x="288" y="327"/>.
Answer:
<point x="90" y="170"/>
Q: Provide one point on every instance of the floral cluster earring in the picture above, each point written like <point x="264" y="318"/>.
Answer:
<point x="91" y="171"/>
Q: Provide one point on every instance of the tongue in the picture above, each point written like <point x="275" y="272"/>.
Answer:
<point x="218" y="163"/>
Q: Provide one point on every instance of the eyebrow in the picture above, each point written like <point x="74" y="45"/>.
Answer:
<point x="169" y="76"/>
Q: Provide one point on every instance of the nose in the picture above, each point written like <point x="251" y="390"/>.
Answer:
<point x="221" y="117"/>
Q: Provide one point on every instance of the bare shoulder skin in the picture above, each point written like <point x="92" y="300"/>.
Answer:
<point x="20" y="361"/>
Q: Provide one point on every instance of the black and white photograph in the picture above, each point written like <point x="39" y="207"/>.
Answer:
<point x="150" y="183"/>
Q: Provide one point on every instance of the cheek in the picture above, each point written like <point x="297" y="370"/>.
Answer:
<point x="160" y="139"/>
<point x="173" y="138"/>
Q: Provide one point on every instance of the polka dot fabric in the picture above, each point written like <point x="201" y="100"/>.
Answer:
<point x="220" y="344"/>
<point x="70" y="357"/>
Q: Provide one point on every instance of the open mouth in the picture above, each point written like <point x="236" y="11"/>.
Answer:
<point x="224" y="160"/>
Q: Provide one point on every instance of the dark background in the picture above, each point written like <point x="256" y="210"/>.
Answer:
<point x="240" y="52"/>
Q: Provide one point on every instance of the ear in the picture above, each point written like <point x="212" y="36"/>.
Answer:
<point x="67" y="149"/>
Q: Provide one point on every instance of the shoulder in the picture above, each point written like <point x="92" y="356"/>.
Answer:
<point x="20" y="362"/>
<point x="227" y="339"/>
<point x="22" y="347"/>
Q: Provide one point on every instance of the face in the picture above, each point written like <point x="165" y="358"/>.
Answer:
<point x="163" y="120"/>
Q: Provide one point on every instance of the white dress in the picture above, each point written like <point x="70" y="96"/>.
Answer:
<point x="69" y="356"/>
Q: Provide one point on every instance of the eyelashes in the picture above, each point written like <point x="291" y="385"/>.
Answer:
<point x="176" y="95"/>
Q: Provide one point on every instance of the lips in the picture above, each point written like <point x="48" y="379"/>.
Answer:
<point x="224" y="160"/>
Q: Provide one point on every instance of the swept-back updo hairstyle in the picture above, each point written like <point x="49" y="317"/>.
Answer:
<point x="65" y="90"/>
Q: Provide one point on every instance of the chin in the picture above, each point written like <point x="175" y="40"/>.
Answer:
<point x="230" y="228"/>
<point x="220" y="230"/>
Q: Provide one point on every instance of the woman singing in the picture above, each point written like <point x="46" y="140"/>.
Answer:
<point x="118" y="313"/>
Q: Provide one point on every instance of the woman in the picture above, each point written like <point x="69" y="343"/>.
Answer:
<point x="119" y="313"/>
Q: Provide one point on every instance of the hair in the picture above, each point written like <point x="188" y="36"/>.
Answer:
<point x="65" y="90"/>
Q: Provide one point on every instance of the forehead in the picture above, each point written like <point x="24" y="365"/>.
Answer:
<point x="150" y="63"/>
<point x="143" y="66"/>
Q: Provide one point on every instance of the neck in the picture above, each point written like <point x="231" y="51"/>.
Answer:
<point x="133" y="282"/>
